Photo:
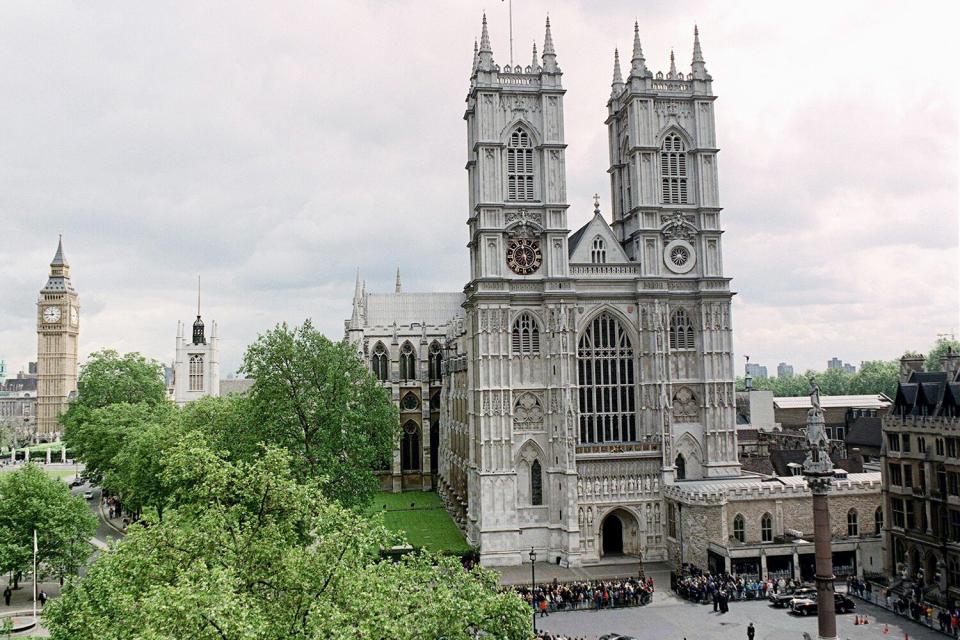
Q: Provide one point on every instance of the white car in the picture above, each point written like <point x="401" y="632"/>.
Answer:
<point x="88" y="495"/>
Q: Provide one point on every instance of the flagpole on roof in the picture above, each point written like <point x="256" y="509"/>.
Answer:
<point x="34" y="576"/>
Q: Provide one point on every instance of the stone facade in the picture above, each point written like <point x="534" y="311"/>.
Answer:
<point x="196" y="368"/>
<point x="58" y="325"/>
<point x="768" y="524"/>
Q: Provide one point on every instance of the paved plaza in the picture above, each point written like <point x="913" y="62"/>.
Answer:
<point x="672" y="618"/>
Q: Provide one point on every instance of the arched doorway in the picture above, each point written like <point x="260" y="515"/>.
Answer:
<point x="611" y="531"/>
<point x="619" y="534"/>
<point x="930" y="569"/>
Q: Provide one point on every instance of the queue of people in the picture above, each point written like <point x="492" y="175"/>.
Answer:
<point x="595" y="594"/>
<point x="719" y="589"/>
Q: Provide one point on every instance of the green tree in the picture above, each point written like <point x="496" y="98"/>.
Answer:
<point x="316" y="399"/>
<point x="876" y="376"/>
<point x="97" y="439"/>
<point x="227" y="424"/>
<point x="252" y="551"/>
<point x="938" y="350"/>
<point x="30" y="500"/>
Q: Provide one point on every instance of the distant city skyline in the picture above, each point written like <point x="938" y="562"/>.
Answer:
<point x="276" y="172"/>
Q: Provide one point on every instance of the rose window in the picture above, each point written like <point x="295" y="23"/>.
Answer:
<point x="679" y="256"/>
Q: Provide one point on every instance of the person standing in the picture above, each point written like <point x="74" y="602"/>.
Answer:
<point x="6" y="595"/>
<point x="42" y="597"/>
<point x="750" y="631"/>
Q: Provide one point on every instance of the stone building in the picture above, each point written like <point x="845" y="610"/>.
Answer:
<point x="756" y="526"/>
<point x="921" y="481"/>
<point x="581" y="371"/>
<point x="196" y="368"/>
<point x="58" y="325"/>
<point x="839" y="411"/>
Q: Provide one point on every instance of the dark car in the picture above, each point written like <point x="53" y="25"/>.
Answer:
<point x="808" y="606"/>
<point x="616" y="636"/>
<point x="783" y="599"/>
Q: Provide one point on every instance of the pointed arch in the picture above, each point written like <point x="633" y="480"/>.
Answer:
<point x="525" y="336"/>
<point x="380" y="362"/>
<point x="681" y="464"/>
<point x="408" y="361"/>
<point x="739" y="528"/>
<point x="520" y="159"/>
<point x="598" y="252"/>
<point x="766" y="528"/>
<point x="410" y="447"/>
<point x="606" y="380"/>
<point x="435" y="361"/>
<point x="853" y="523"/>
<point x="674" y="176"/>
<point x="681" y="331"/>
<point x="689" y="448"/>
<point x="531" y="485"/>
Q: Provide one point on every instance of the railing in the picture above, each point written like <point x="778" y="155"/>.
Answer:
<point x="623" y="447"/>
<point x="673" y="86"/>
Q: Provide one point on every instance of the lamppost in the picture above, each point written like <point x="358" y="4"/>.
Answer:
<point x="533" y="587"/>
<point x="818" y="470"/>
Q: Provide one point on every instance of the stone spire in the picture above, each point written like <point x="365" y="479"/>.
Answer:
<point x="535" y="62"/>
<point x="673" y="67"/>
<point x="698" y="66"/>
<point x="356" y="288"/>
<point x="59" y="279"/>
<point x="58" y="259"/>
<point x="485" y="54"/>
<point x="476" y="58"/>
<point x="638" y="65"/>
<point x="617" y="85"/>
<point x="549" y="53"/>
<point x="398" y="281"/>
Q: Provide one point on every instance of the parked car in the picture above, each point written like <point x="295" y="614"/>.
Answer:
<point x="88" y="495"/>
<point x="808" y="606"/>
<point x="785" y="599"/>
<point x="76" y="483"/>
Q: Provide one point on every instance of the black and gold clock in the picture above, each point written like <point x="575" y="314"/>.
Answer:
<point x="523" y="256"/>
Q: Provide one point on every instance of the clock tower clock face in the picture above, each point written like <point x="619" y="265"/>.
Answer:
<point x="74" y="315"/>
<point x="523" y="256"/>
<point x="51" y="314"/>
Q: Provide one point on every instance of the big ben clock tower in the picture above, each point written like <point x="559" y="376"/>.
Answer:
<point x="58" y="323"/>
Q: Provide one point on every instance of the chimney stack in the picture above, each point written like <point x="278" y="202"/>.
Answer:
<point x="908" y="364"/>
<point x="950" y="362"/>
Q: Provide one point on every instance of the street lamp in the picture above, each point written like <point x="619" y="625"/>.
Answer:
<point x="533" y="587"/>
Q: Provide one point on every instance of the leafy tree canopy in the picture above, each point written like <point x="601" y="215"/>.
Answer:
<point x="314" y="398"/>
<point x="252" y="551"/>
<point x="31" y="500"/>
<point x="940" y="349"/>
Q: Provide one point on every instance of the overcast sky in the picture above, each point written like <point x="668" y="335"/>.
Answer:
<point x="275" y="146"/>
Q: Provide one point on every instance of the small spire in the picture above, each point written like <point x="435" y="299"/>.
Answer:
<point x="536" y="62"/>
<point x="698" y="66"/>
<point x="58" y="259"/>
<point x="398" y="281"/>
<point x="476" y="58"/>
<point x="485" y="53"/>
<point x="198" y="295"/>
<point x="617" y="76"/>
<point x="638" y="65"/>
<point x="596" y="204"/>
<point x="549" y="53"/>
<point x="673" y="66"/>
<point x="356" y="288"/>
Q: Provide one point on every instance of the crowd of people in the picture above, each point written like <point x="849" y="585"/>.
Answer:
<point x="719" y="589"/>
<point x="594" y="594"/>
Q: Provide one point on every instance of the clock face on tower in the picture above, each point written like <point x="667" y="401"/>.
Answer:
<point x="74" y="315"/>
<point x="51" y="314"/>
<point x="523" y="256"/>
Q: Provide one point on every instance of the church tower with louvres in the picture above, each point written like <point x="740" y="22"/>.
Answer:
<point x="580" y="374"/>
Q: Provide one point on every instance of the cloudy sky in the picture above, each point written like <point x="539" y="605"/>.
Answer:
<point x="275" y="146"/>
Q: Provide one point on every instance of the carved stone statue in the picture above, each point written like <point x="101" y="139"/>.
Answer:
<point x="815" y="395"/>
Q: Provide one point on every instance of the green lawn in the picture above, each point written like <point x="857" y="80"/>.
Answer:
<point x="59" y="473"/>
<point x="427" y="524"/>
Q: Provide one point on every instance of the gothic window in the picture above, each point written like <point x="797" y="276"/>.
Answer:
<point x="435" y="400"/>
<point x="681" y="331"/>
<point x="954" y="572"/>
<point x="536" y="484"/>
<point x="598" y="255"/>
<point x="739" y="526"/>
<point x="526" y="336"/>
<point x="681" y="464"/>
<point x="410" y="402"/>
<point x="519" y="166"/>
<point x="853" y="527"/>
<point x="436" y="360"/>
<point x="673" y="170"/>
<point x="671" y="520"/>
<point x="408" y="362"/>
<point x="196" y="372"/>
<point x="878" y="521"/>
<point x="766" y="528"/>
<point x="606" y="383"/>
<point x="410" y="447"/>
<point x="380" y="362"/>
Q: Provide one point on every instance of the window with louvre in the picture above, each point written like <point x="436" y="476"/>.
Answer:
<point x="520" y="166"/>
<point x="673" y="170"/>
<point x="681" y="331"/>
<point x="196" y="373"/>
<point x="526" y="336"/>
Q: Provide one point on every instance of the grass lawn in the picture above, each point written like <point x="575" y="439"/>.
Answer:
<point x="426" y="525"/>
<point x="59" y="472"/>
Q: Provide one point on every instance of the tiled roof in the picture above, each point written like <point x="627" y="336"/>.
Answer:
<point x="864" y="431"/>
<point x="383" y="309"/>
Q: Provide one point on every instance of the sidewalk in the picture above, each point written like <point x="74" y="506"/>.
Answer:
<point x="874" y="598"/>
<point x="22" y="602"/>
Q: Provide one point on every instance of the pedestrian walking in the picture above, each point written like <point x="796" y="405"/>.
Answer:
<point x="42" y="597"/>
<point x="6" y="595"/>
<point x="750" y="631"/>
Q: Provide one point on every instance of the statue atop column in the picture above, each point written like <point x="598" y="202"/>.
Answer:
<point x="818" y="460"/>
